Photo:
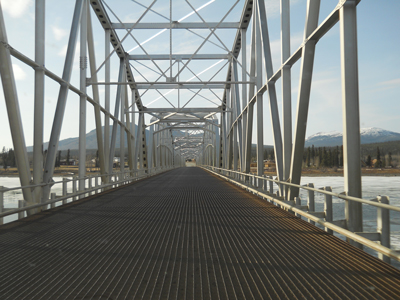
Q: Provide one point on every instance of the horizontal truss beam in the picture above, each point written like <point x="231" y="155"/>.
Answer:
<point x="177" y="25"/>
<point x="177" y="56"/>
<point x="185" y="110"/>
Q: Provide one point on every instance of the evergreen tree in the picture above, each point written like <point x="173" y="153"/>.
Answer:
<point x="378" y="154"/>
<point x="11" y="158"/>
<point x="97" y="159"/>
<point x="313" y="154"/>
<point x="308" y="158"/>
<point x="58" y="159"/>
<point x="272" y="154"/>
<point x="4" y="157"/>
<point x="325" y="158"/>
<point x="336" y="157"/>
<point x="68" y="157"/>
<point x="322" y="156"/>
<point x="390" y="159"/>
<point x="369" y="161"/>
<point x="341" y="156"/>
<point x="378" y="163"/>
<point x="329" y="158"/>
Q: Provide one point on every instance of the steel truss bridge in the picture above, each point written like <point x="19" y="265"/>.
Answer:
<point x="169" y="107"/>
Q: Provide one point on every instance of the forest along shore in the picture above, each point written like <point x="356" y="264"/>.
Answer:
<point x="73" y="171"/>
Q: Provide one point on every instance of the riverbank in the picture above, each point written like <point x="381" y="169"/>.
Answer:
<point x="339" y="172"/>
<point x="73" y="171"/>
<point x="59" y="171"/>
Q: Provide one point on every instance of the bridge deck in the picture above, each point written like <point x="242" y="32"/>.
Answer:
<point x="182" y="234"/>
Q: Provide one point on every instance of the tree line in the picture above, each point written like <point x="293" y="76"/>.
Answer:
<point x="8" y="158"/>
<point x="331" y="157"/>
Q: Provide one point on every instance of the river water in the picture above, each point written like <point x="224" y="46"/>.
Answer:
<point x="372" y="186"/>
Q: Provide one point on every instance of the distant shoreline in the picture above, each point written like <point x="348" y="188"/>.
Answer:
<point x="309" y="172"/>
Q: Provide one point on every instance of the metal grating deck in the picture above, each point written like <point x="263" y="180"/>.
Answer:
<point x="184" y="234"/>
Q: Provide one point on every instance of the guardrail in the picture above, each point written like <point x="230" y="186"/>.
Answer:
<point x="114" y="180"/>
<point x="378" y="241"/>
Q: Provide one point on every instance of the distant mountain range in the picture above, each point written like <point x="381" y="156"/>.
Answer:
<point x="321" y="139"/>
<point x="368" y="135"/>
<point x="91" y="141"/>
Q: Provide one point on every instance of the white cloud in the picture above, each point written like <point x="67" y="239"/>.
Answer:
<point x="391" y="83"/>
<point x="16" y="8"/>
<point x="19" y="74"/>
<point x="58" y="33"/>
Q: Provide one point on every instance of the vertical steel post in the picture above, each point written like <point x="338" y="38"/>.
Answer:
<point x="129" y="130"/>
<point x="122" y="130"/>
<point x="351" y="115"/>
<point x="13" y="112"/>
<point x="271" y="185"/>
<point x="250" y="112"/>
<point x="134" y="132"/>
<point x="74" y="179"/>
<point x="53" y="197"/>
<point x="96" y="97"/>
<point x="328" y="208"/>
<point x="1" y="203"/>
<point x="224" y="139"/>
<point x="234" y="132"/>
<point x="138" y="138"/>
<point x="116" y="112"/>
<point x="82" y="97"/>
<point x="62" y="99"/>
<point x="21" y="204"/>
<point x="229" y="129"/>
<point x="259" y="78"/>
<point x="383" y="226"/>
<point x="311" y="200"/>
<point x="262" y="29"/>
<point x="286" y="91"/>
<point x="107" y="104"/>
<point x="39" y="98"/>
<point x="244" y="97"/>
<point x="64" y="189"/>
<point x="239" y="122"/>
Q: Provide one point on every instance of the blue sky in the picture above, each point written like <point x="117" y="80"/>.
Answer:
<point x="378" y="48"/>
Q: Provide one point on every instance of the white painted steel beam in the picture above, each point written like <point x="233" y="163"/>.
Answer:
<point x="351" y="114"/>
<point x="116" y="113"/>
<point x="96" y="97"/>
<point x="179" y="56"/>
<point x="13" y="111"/>
<point x="62" y="99"/>
<point x="244" y="97"/>
<point x="250" y="106"/>
<point x="82" y="98"/>
<point x="286" y="91"/>
<point x="38" y="127"/>
<point x="273" y="103"/>
<point x="168" y="86"/>
<point x="177" y="25"/>
<point x="107" y="96"/>
<point x="307" y="64"/>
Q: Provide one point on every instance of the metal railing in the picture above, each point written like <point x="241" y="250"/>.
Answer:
<point x="378" y="241"/>
<point x="91" y="184"/>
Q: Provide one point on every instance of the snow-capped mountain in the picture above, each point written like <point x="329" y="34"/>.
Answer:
<point x="368" y="135"/>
